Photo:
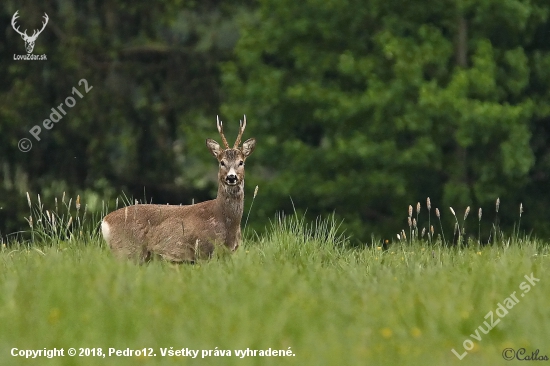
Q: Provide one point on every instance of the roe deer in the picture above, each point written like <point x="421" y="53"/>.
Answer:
<point x="186" y="233"/>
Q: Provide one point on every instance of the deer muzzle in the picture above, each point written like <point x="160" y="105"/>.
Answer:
<point x="231" y="178"/>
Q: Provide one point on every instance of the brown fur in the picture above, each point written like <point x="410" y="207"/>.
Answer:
<point x="185" y="233"/>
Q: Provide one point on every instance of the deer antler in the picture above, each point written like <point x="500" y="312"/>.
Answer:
<point x="24" y="34"/>
<point x="241" y="130"/>
<point x="220" y="130"/>
<point x="43" y="26"/>
<point x="15" y="16"/>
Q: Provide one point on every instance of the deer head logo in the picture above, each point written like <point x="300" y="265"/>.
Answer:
<point x="29" y="41"/>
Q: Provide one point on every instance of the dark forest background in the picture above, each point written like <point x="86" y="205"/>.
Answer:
<point x="359" y="107"/>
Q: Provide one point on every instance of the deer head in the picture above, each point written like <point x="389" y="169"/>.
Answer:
<point x="231" y="160"/>
<point x="29" y="41"/>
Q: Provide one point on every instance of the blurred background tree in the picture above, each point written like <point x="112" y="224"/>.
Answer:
<point x="141" y="129"/>
<point x="371" y="106"/>
<point x="359" y="107"/>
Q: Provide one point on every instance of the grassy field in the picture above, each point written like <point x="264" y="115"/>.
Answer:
<point x="299" y="289"/>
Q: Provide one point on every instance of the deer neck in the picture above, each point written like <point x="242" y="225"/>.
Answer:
<point x="230" y="202"/>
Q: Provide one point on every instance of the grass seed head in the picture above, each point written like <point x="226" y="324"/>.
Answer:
<point x="255" y="191"/>
<point x="453" y="211"/>
<point x="410" y="210"/>
<point x="432" y="229"/>
<point x="423" y="232"/>
<point x="428" y="204"/>
<point x="479" y="214"/>
<point x="520" y="209"/>
<point x="414" y="223"/>
<point x="417" y="208"/>
<point x="497" y="204"/>
<point x="409" y="221"/>
<point x="466" y="213"/>
<point x="437" y="212"/>
<point x="29" y="200"/>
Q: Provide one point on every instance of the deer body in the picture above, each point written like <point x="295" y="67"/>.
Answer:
<point x="185" y="233"/>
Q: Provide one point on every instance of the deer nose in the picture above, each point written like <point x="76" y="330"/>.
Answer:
<point x="231" y="178"/>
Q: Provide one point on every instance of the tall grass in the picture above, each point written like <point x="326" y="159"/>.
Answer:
<point x="461" y="236"/>
<point x="298" y="286"/>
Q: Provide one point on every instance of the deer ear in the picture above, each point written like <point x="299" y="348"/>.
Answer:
<point x="214" y="147"/>
<point x="248" y="147"/>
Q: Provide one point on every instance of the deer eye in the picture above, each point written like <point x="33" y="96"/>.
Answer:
<point x="222" y="163"/>
<point x="241" y="163"/>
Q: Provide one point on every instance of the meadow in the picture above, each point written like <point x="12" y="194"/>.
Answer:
<point x="300" y="289"/>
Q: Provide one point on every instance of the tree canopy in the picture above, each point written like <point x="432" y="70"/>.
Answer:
<point x="369" y="106"/>
<point x="359" y="107"/>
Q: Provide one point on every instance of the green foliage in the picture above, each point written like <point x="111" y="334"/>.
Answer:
<point x="364" y="107"/>
<point x="359" y="107"/>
